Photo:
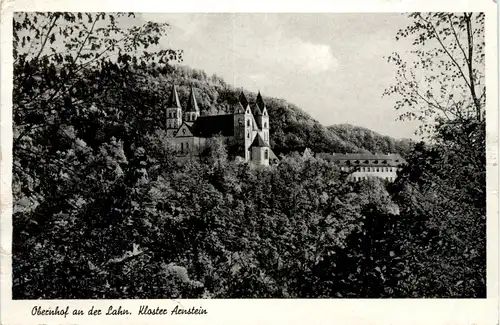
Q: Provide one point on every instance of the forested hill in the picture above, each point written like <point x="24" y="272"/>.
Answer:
<point x="291" y="130"/>
<point x="366" y="139"/>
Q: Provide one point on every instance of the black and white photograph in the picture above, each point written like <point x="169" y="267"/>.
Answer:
<point x="248" y="155"/>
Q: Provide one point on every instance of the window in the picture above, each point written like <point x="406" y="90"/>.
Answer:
<point x="248" y="122"/>
<point x="187" y="146"/>
<point x="266" y="154"/>
<point x="248" y="135"/>
<point x="240" y="122"/>
<point x="175" y="115"/>
<point x="265" y="124"/>
<point x="182" y="146"/>
<point x="184" y="131"/>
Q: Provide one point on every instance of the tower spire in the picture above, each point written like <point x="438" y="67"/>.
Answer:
<point x="174" y="98"/>
<point x="260" y="102"/>
<point x="192" y="105"/>
<point x="243" y="99"/>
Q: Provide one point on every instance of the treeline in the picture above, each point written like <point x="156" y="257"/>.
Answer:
<point x="372" y="141"/>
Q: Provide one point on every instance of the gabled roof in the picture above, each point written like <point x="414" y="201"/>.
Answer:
<point x="258" y="142"/>
<point x="238" y="108"/>
<point x="174" y="98"/>
<point x="264" y="111"/>
<point x="179" y="132"/>
<point x="192" y="105"/>
<point x="259" y="101"/>
<point x="211" y="125"/>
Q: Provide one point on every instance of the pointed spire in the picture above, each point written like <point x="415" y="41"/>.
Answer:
<point x="243" y="100"/>
<point x="260" y="101"/>
<point x="192" y="105"/>
<point x="174" y="98"/>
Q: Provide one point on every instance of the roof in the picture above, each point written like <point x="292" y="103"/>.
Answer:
<point x="243" y="100"/>
<point x="208" y="126"/>
<point x="174" y="98"/>
<point x="307" y="153"/>
<point x="188" y="126"/>
<point x="258" y="142"/>
<point x="237" y="108"/>
<point x="192" y="105"/>
<point x="363" y="159"/>
<point x="272" y="155"/>
<point x="259" y="101"/>
<point x="255" y="125"/>
<point x="257" y="111"/>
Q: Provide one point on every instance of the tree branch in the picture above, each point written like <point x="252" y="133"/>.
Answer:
<point x="456" y="38"/>
<point x="56" y="17"/>
<point x="446" y="50"/>
<point x="469" y="66"/>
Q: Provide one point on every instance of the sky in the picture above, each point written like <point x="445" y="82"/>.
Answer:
<point x="330" y="65"/>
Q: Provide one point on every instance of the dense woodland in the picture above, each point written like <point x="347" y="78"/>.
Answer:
<point x="104" y="209"/>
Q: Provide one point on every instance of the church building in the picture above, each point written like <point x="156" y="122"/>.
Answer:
<point x="246" y="127"/>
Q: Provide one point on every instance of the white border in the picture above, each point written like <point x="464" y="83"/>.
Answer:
<point x="260" y="311"/>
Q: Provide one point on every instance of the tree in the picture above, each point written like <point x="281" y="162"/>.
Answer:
<point x="443" y="76"/>
<point x="441" y="191"/>
<point x="82" y="110"/>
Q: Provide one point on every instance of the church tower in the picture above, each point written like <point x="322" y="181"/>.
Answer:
<point x="174" y="114"/>
<point x="192" y="111"/>
<point x="242" y="118"/>
<point x="259" y="152"/>
<point x="262" y="117"/>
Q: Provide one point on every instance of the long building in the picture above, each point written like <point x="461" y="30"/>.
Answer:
<point x="363" y="166"/>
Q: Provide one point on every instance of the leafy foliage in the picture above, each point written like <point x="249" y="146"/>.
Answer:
<point x="442" y="190"/>
<point x="104" y="208"/>
<point x="443" y="76"/>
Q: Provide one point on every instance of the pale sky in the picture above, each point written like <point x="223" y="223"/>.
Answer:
<point x="330" y="65"/>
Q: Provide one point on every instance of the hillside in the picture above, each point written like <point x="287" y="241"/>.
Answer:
<point x="369" y="140"/>
<point x="292" y="128"/>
